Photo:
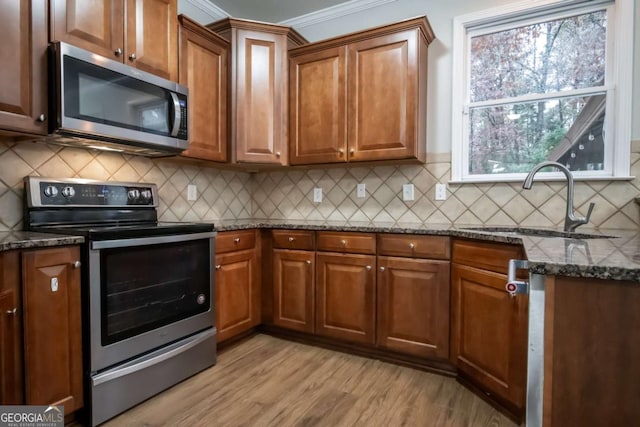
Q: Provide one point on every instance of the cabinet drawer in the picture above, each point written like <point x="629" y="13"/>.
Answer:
<point x="228" y="241"/>
<point x="359" y="243"/>
<point x="414" y="246"/>
<point x="485" y="255"/>
<point x="293" y="239"/>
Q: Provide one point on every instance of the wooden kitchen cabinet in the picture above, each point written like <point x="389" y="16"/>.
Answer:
<point x="11" y="354"/>
<point x="203" y="68"/>
<point x="23" y="61"/>
<point x="237" y="285"/>
<point x="142" y="34"/>
<point x="361" y="97"/>
<point x="258" y="82"/>
<point x="346" y="296"/>
<point x="52" y="327"/>
<point x="293" y="282"/>
<point x="413" y="295"/>
<point x="489" y="328"/>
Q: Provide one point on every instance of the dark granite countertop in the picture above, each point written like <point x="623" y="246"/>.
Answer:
<point x="602" y="254"/>
<point x="26" y="240"/>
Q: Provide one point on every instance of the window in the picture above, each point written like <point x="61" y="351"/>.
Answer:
<point x="542" y="83"/>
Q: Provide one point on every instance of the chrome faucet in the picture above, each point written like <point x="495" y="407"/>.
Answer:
<point x="571" y="221"/>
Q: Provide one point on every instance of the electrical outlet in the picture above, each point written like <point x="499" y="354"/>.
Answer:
<point x="407" y="192"/>
<point x="441" y="192"/>
<point x="192" y="192"/>
<point x="361" y="191"/>
<point x="317" y="195"/>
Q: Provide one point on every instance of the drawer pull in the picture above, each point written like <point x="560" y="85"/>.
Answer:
<point x="12" y="312"/>
<point x="291" y="239"/>
<point x="236" y="240"/>
<point x="368" y="267"/>
<point x="218" y="267"/>
<point x="381" y="268"/>
<point x="343" y="243"/>
<point x="412" y="246"/>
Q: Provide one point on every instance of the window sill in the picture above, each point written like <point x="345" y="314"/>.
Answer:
<point x="496" y="180"/>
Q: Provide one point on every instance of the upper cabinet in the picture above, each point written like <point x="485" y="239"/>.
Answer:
<point x="361" y="97"/>
<point x="139" y="33"/>
<point x="203" y="68"/>
<point x="23" y="61"/>
<point x="258" y="83"/>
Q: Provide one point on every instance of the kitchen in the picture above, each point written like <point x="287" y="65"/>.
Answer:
<point x="286" y="195"/>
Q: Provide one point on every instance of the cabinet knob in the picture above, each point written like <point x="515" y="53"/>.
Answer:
<point x="308" y="262"/>
<point x="117" y="52"/>
<point x="412" y="246"/>
<point x="381" y="268"/>
<point x="218" y="267"/>
<point x="352" y="151"/>
<point x="132" y="57"/>
<point x="291" y="239"/>
<point x="42" y="118"/>
<point x="77" y="264"/>
<point x="12" y="312"/>
<point x="343" y="243"/>
<point x="277" y="154"/>
<point x="341" y="151"/>
<point x="368" y="267"/>
<point x="236" y="240"/>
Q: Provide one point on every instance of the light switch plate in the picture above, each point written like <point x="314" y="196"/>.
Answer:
<point x="407" y="192"/>
<point x="192" y="192"/>
<point x="361" y="191"/>
<point x="441" y="192"/>
<point x="317" y="195"/>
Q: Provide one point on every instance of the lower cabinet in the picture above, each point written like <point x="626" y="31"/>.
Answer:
<point x="346" y="296"/>
<point x="237" y="284"/>
<point x="489" y="328"/>
<point x="40" y="328"/>
<point x="294" y="289"/>
<point x="413" y="306"/>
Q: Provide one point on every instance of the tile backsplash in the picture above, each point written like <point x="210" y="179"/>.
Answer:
<point x="288" y="194"/>
<point x="221" y="194"/>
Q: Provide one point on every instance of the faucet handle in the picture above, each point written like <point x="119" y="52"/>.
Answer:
<point x="591" y="206"/>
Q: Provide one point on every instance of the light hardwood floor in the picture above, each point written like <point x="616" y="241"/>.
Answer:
<point x="266" y="381"/>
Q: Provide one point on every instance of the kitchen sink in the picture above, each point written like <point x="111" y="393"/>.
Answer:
<point x="542" y="232"/>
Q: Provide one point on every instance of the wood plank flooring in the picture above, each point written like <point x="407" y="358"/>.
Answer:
<point x="266" y="381"/>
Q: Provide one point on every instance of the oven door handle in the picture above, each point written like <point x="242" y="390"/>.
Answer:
<point x="153" y="359"/>
<point x="155" y="240"/>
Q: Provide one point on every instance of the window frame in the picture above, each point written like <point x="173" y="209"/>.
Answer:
<point x="617" y="85"/>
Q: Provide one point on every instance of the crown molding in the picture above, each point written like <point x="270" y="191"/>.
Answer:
<point x="214" y="12"/>
<point x="333" y="12"/>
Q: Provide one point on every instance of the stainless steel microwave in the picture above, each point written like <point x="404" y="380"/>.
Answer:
<point x="100" y="103"/>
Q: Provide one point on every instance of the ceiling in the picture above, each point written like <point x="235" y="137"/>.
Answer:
<point x="273" y="10"/>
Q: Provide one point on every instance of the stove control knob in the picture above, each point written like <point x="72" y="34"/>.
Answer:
<point x="133" y="194"/>
<point x="50" y="191"/>
<point x="145" y="194"/>
<point x="68" y="192"/>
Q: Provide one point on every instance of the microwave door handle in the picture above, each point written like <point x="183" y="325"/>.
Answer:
<point x="176" y="114"/>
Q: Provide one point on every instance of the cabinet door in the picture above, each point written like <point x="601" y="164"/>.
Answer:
<point x="346" y="296"/>
<point x="237" y="293"/>
<point x="293" y="289"/>
<point x="52" y="328"/>
<point x="489" y="333"/>
<point x="151" y="36"/>
<point x="93" y="25"/>
<point x="23" y="61"/>
<point x="413" y="306"/>
<point x="260" y="97"/>
<point x="203" y="69"/>
<point x="317" y="107"/>
<point x="383" y="97"/>
<point x="11" y="380"/>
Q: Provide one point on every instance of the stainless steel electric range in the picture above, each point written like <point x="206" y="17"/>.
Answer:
<point x="147" y="291"/>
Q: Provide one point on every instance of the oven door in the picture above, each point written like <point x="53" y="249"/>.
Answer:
<point x="147" y="292"/>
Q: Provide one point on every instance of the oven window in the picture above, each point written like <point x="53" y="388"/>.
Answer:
<point x="146" y="287"/>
